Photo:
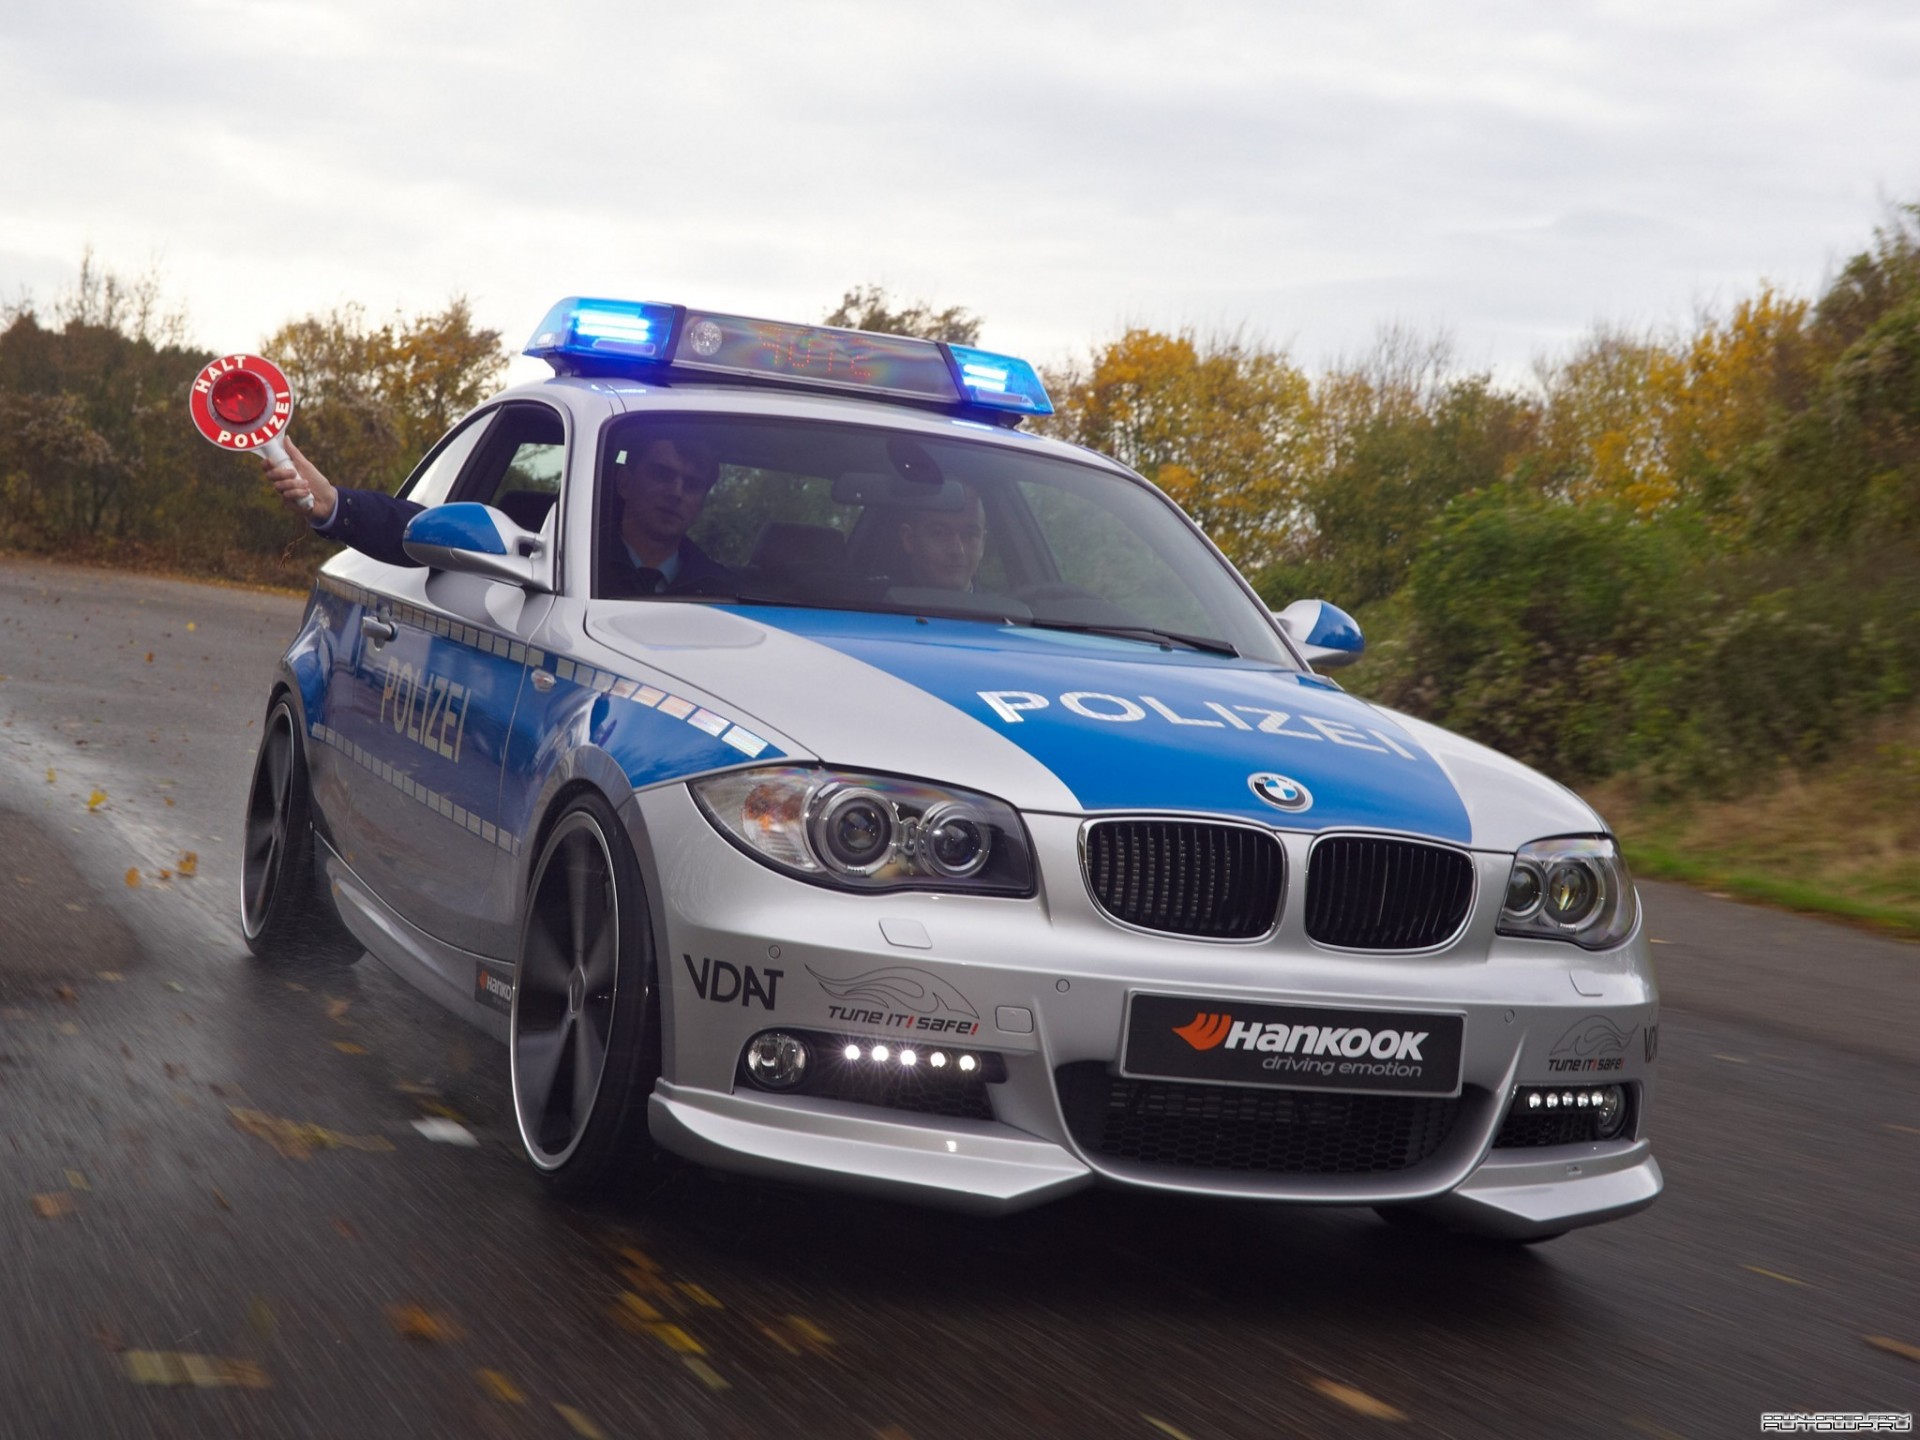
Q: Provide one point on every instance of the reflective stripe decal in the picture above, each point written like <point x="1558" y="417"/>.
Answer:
<point x="407" y="786"/>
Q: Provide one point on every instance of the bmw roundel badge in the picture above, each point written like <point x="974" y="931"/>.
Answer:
<point x="1280" y="792"/>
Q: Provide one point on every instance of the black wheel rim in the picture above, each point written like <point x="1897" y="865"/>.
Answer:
<point x="563" y="996"/>
<point x="269" y="807"/>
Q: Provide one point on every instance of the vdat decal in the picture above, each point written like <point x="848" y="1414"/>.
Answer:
<point x="723" y="983"/>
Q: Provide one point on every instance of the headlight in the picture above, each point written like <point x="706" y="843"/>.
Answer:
<point x="870" y="832"/>
<point x="1576" y="890"/>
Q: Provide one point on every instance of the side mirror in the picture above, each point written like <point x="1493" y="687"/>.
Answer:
<point x="478" y="540"/>
<point x="1327" y="634"/>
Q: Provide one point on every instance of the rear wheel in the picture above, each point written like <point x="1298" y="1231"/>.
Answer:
<point x="283" y="914"/>
<point x="585" y="1032"/>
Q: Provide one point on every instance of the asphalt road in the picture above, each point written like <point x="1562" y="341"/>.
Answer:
<point x="217" y="1216"/>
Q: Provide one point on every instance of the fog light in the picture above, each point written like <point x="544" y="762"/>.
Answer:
<point x="1612" y="1105"/>
<point x="777" y="1061"/>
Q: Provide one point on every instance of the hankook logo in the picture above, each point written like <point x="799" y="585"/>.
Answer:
<point x="1208" y="1030"/>
<point x="1280" y="792"/>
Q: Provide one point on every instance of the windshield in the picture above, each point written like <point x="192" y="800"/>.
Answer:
<point x="794" y="512"/>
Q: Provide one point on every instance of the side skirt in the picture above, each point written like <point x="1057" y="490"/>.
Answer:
<point x="412" y="954"/>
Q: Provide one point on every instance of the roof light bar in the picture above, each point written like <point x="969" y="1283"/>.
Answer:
<point x="582" y="336"/>
<point x="580" y="329"/>
<point x="1001" y="382"/>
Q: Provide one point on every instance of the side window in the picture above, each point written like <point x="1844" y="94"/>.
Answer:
<point x="519" y="468"/>
<point x="433" y="481"/>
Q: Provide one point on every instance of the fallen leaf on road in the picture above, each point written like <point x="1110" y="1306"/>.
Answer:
<point x="133" y="879"/>
<point x="108" y="975"/>
<point x="176" y="986"/>
<point x="447" y="1132"/>
<point x="1357" y="1400"/>
<point x="67" y="993"/>
<point x="67" y="1027"/>
<point x="189" y="865"/>
<point x="220" y="1199"/>
<point x="674" y="1338"/>
<point x="77" y="1181"/>
<point x="51" y="777"/>
<point x="413" y="1322"/>
<point x="347" y="1232"/>
<point x="709" y="1377"/>
<point x="53" y="1206"/>
<point x="579" y="1423"/>
<point x="96" y="799"/>
<point x="1164" y="1428"/>
<point x="337" y="1008"/>
<point x="149" y="657"/>
<point x="293" y="985"/>
<point x="500" y="1387"/>
<point x="1893" y="1347"/>
<point x="1776" y="1275"/>
<point x="347" y="1047"/>
<point x="173" y="1367"/>
<point x="296" y="1140"/>
<point x="193" y="625"/>
<point x="260" y="1315"/>
<point x="700" y="1295"/>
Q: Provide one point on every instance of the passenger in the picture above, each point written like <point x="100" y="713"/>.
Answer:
<point x="944" y="547"/>
<point x="662" y="488"/>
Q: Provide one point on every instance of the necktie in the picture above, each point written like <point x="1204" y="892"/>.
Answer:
<point x="647" y="580"/>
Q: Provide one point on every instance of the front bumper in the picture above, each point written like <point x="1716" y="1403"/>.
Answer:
<point x="1045" y="984"/>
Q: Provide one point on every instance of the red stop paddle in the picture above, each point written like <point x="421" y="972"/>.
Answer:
<point x="243" y="402"/>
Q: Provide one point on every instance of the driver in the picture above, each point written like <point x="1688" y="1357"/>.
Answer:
<point x="663" y="486"/>
<point x="943" y="547"/>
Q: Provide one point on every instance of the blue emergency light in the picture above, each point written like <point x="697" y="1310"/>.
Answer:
<point x="582" y="336"/>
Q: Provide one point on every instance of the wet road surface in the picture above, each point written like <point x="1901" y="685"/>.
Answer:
<point x="218" y="1217"/>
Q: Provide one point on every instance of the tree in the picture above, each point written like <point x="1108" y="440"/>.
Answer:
<point x="1222" y="425"/>
<point x="370" y="400"/>
<point x="869" y="307"/>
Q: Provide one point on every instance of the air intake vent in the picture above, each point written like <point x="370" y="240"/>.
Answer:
<point x="1218" y="882"/>
<point x="1232" y="1127"/>
<point x="1368" y="893"/>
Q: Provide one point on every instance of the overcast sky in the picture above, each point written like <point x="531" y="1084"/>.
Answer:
<point x="1508" y="172"/>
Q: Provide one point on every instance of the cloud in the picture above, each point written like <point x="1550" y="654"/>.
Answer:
<point x="1509" y="173"/>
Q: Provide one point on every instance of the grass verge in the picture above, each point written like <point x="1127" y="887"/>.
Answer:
<point x="1840" y="839"/>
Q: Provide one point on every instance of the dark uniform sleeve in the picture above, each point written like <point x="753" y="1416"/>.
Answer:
<point x="372" y="523"/>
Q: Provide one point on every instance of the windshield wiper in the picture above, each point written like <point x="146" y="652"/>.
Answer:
<point x="1192" y="642"/>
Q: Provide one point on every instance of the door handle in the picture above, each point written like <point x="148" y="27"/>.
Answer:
<point x="377" y="630"/>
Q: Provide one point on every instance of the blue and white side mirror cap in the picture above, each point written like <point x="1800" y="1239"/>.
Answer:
<point x="1328" y="635"/>
<point x="476" y="540"/>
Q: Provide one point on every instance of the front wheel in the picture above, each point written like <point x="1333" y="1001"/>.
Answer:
<point x="282" y="912"/>
<point x="584" y="1038"/>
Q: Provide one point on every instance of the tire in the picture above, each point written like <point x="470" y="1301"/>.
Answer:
<point x="584" y="1038"/>
<point x="284" y="915"/>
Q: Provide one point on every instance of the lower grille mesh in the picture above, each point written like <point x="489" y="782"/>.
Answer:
<point x="1237" y="1128"/>
<point x="1186" y="877"/>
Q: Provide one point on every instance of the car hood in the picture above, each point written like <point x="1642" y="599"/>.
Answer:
<point x="1052" y="720"/>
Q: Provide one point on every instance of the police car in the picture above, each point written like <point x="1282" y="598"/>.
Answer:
<point x="809" y="772"/>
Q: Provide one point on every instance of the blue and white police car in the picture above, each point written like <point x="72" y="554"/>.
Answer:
<point x="811" y="773"/>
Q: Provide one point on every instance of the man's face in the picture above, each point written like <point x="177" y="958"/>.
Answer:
<point x="662" y="492"/>
<point x="947" y="546"/>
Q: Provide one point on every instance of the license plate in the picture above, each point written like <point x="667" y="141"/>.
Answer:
<point x="1298" y="1047"/>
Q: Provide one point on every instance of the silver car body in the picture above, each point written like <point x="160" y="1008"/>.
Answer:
<point x="430" y="872"/>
